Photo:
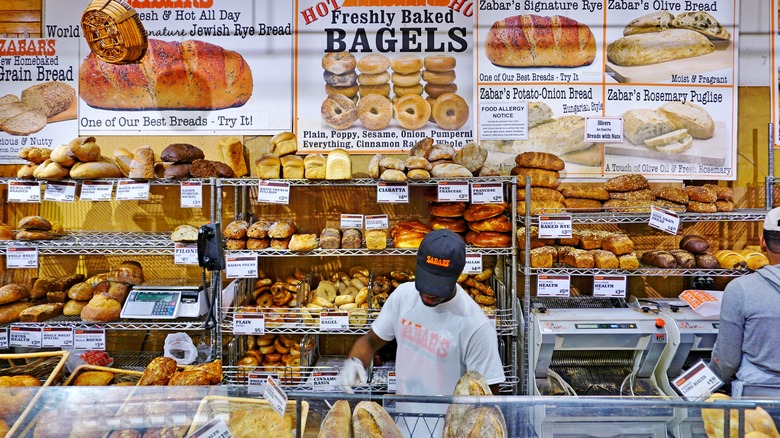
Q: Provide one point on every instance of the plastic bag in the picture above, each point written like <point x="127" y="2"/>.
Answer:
<point x="179" y="347"/>
<point x="91" y="357"/>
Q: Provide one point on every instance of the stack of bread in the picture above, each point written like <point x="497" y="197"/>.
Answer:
<point x="408" y="233"/>
<point x="757" y="422"/>
<point x="52" y="296"/>
<point x="747" y="258"/>
<point x="14" y="298"/>
<point x="340" y="291"/>
<point x="583" y="197"/>
<point x="275" y="353"/>
<point x="445" y="215"/>
<point x="725" y="197"/>
<point x="267" y="293"/>
<point x="368" y="419"/>
<point x="374" y="108"/>
<point x="584" y="249"/>
<point x="108" y="292"/>
<point x="429" y="160"/>
<point x="489" y="226"/>
<point x="79" y="159"/>
<point x="259" y="235"/>
<point x="473" y="421"/>
<point x="476" y="285"/>
<point x="710" y="198"/>
<point x="182" y="160"/>
<point x="165" y="371"/>
<point x="269" y="165"/>
<point x="692" y="253"/>
<point x="37" y="228"/>
<point x="543" y="169"/>
<point x="35" y="156"/>
<point x="341" y="85"/>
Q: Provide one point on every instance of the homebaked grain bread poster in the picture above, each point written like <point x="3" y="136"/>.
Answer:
<point x="221" y="67"/>
<point x="372" y="75"/>
<point x="38" y="78"/>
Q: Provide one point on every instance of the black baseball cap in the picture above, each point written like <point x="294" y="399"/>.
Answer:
<point x="440" y="261"/>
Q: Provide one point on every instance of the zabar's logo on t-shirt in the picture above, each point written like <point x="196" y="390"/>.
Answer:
<point x="429" y="340"/>
<point x="444" y="263"/>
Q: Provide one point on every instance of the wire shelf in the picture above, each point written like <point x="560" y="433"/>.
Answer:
<point x="122" y="325"/>
<point x="152" y="182"/>
<point x="642" y="271"/>
<point x="319" y="252"/>
<point x="241" y="182"/>
<point x="100" y="243"/>
<point x="616" y="217"/>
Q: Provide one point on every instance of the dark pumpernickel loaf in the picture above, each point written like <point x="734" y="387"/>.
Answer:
<point x="181" y="153"/>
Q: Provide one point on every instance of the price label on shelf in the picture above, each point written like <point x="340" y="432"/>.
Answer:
<point x="96" y="190"/>
<point x="351" y="221"/>
<point x="256" y="382"/>
<point x="392" y="193"/>
<point x="553" y="285"/>
<point x="275" y="395"/>
<point x="273" y="192"/>
<point x="191" y="194"/>
<point x="64" y="191"/>
<point x="554" y="227"/>
<point x="453" y="191"/>
<point x="24" y="191"/>
<point x="57" y="337"/>
<point x="473" y="264"/>
<point x="249" y="324"/>
<point x="487" y="193"/>
<point x="21" y="257"/>
<point x="216" y="428"/>
<point x="240" y="266"/>
<point x="664" y="220"/>
<point x="697" y="382"/>
<point x="609" y="286"/>
<point x="27" y="337"/>
<point x="89" y="339"/>
<point x="185" y="253"/>
<point x="324" y="380"/>
<point x="3" y="338"/>
<point x="391" y="381"/>
<point x="377" y="222"/>
<point x="129" y="190"/>
<point x="334" y="321"/>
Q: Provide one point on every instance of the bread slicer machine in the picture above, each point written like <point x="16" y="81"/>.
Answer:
<point x="166" y="298"/>
<point x="595" y="347"/>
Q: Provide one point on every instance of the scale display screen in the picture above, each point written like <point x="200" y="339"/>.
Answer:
<point x="162" y="305"/>
<point x="606" y="325"/>
<point x="147" y="296"/>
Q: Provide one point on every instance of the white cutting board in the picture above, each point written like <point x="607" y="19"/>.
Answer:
<point x="721" y="58"/>
<point x="709" y="152"/>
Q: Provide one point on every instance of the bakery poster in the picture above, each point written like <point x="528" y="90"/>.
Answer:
<point x="372" y="75"/>
<point x="667" y="68"/>
<point x="38" y="79"/>
<point x="775" y="74"/>
<point x="214" y="67"/>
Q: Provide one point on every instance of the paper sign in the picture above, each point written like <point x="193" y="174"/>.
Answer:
<point x="57" y="337"/>
<point x="334" y="321"/>
<point x="243" y="266"/>
<point x="24" y="191"/>
<point x="391" y="381"/>
<point x="60" y="191"/>
<point x="473" y="264"/>
<point x="273" y="192"/>
<point x="89" y="339"/>
<point x="501" y="120"/>
<point x="664" y="220"/>
<point x="554" y="227"/>
<point x="216" y="428"/>
<point x="324" y="380"/>
<point x="609" y="286"/>
<point x="28" y="337"/>
<point x="705" y="303"/>
<point x="3" y="338"/>
<point x="129" y="190"/>
<point x="603" y="130"/>
<point x="487" y="193"/>
<point x="377" y="222"/>
<point x="256" y="382"/>
<point x="21" y="257"/>
<point x="392" y="193"/>
<point x="249" y="324"/>
<point x="96" y="190"/>
<point x="191" y="193"/>
<point x="698" y="382"/>
<point x="275" y="396"/>
<point x="453" y="191"/>
<point x="351" y="221"/>
<point x="185" y="254"/>
<point x="553" y="286"/>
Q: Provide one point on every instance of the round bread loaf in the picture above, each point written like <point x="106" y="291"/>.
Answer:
<point x="34" y="223"/>
<point x="13" y="292"/>
<point x="101" y="308"/>
<point x="236" y="230"/>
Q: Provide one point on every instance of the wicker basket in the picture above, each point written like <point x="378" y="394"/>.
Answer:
<point x="120" y="375"/>
<point x="114" y="31"/>
<point x="213" y="406"/>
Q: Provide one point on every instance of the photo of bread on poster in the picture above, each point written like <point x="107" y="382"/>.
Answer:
<point x="666" y="46"/>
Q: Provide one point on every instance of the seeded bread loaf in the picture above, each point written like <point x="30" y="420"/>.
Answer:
<point x="49" y="98"/>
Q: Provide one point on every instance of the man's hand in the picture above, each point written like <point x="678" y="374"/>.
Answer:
<point x="352" y="373"/>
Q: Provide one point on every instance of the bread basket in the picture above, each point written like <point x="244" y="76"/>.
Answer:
<point x="114" y="31"/>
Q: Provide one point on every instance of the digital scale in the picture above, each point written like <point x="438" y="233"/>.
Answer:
<point x="166" y="298"/>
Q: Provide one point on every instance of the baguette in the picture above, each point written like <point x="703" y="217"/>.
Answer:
<point x="370" y="420"/>
<point x="188" y="75"/>
<point x="655" y="47"/>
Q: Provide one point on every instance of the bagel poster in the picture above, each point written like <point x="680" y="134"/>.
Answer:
<point x="372" y="75"/>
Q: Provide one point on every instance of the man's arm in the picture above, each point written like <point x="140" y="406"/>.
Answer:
<point x="366" y="346"/>
<point x="727" y="354"/>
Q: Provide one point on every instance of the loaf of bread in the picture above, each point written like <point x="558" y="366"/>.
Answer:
<point x="85" y="149"/>
<point x="706" y="261"/>
<point x="352" y="238"/>
<point x="34" y="154"/>
<point x="284" y="143"/>
<point x="103" y="168"/>
<point x="584" y="191"/>
<point x="94" y="378"/>
<point x="628" y="261"/>
<point x="559" y="136"/>
<point x="539" y="207"/>
<point x="184" y="233"/>
<point x="729" y="259"/>
<point x="758" y="422"/>
<point x="330" y="238"/>
<point x="49" y="98"/>
<point x="181" y="153"/>
<point x="338" y="165"/>
<point x="450" y="170"/>
<point x="128" y="272"/>
<point x="369" y="419"/>
<point x="499" y="223"/>
<point x="604" y="259"/>
<point x="376" y="239"/>
<point x="579" y="258"/>
<point x="478" y="212"/>
<point x="618" y="244"/>
<point x="13" y="292"/>
<point x="292" y="167"/>
<point x="101" y="308"/>
<point x="142" y="164"/>
<point x="542" y="257"/>
<point x="535" y="241"/>
<point x="539" y="177"/>
<point x="581" y="204"/>
<point x="237" y="230"/>
<point x="655" y="47"/>
<point x="659" y="259"/>
<point x="725" y="206"/>
<point x="338" y="422"/>
<point x="542" y="194"/>
<point x="73" y="307"/>
<point x="314" y="166"/>
<point x="691" y="117"/>
<point x="172" y="75"/>
<point x="471" y="156"/>
<point x="203" y="169"/>
<point x="721" y="192"/>
<point x="41" y="312"/>
<point x="673" y="194"/>
<point x="10" y="312"/>
<point x="34" y="223"/>
<point x="694" y="244"/>
<point x="50" y="170"/>
<point x="282" y="229"/>
<point x="540" y="160"/>
<point x="231" y="152"/>
<point x="268" y="166"/>
<point x="701" y="207"/>
<point x="653" y="22"/>
<point x="684" y="259"/>
<point x="754" y="259"/>
<point x="634" y="195"/>
<point x="123" y="157"/>
<point x="625" y="183"/>
<point x="534" y="41"/>
<point x="302" y="242"/>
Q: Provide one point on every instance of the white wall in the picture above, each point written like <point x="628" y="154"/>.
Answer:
<point x="754" y="43"/>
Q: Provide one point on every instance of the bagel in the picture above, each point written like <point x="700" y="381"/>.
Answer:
<point x="339" y="111"/>
<point x="412" y="111"/>
<point x="281" y="298"/>
<point x="254" y="353"/>
<point x="248" y="361"/>
<point x="439" y="77"/>
<point x="373" y="64"/>
<point x="264" y="341"/>
<point x="278" y="286"/>
<point x="406" y="64"/>
<point x="287" y="341"/>
<point x="439" y="63"/>
<point x="280" y="348"/>
<point x="265" y="350"/>
<point x="406" y="80"/>
<point x="339" y="62"/>
<point x="349" y="91"/>
<point x="373" y="79"/>
<point x="403" y="91"/>
<point x="293" y="361"/>
<point x="265" y="300"/>
<point x="434" y="90"/>
<point x="261" y="281"/>
<point x="272" y="357"/>
<point x="450" y="111"/>
<point x="271" y="364"/>
<point x="342" y="80"/>
<point x="375" y="111"/>
<point x="367" y="90"/>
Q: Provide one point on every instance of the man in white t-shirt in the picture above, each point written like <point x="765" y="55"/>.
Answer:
<point x="441" y="332"/>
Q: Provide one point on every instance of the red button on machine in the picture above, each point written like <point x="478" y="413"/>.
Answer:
<point x="660" y="323"/>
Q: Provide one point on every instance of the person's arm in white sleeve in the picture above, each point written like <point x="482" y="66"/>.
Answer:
<point x="482" y="356"/>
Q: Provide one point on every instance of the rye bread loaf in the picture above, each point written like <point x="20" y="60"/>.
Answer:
<point x="181" y="153"/>
<point x="655" y="47"/>
<point x="49" y="98"/>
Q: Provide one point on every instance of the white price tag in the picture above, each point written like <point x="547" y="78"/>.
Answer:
<point x="392" y="193"/>
<point x="473" y="264"/>
<point x="28" y="337"/>
<point x="275" y="396"/>
<point x="609" y="286"/>
<point x="21" y="257"/>
<point x="391" y="381"/>
<point x="129" y="190"/>
<point x="57" y="337"/>
<point x="241" y="266"/>
<point x="216" y="428"/>
<point x="553" y="286"/>
<point x="60" y="191"/>
<point x="453" y="191"/>
<point x="3" y="338"/>
<point x="185" y="253"/>
<point x="603" y="130"/>
<point x="351" y="221"/>
<point x="191" y="193"/>
<point x="377" y="222"/>
<point x="334" y="321"/>
<point x="249" y="324"/>
<point x="89" y="339"/>
<point x="554" y="227"/>
<point x="24" y="191"/>
<point x="664" y="220"/>
<point x="698" y="382"/>
<point x="256" y="382"/>
<point x="487" y="193"/>
<point x="273" y="192"/>
<point x="96" y="190"/>
<point x="324" y="380"/>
